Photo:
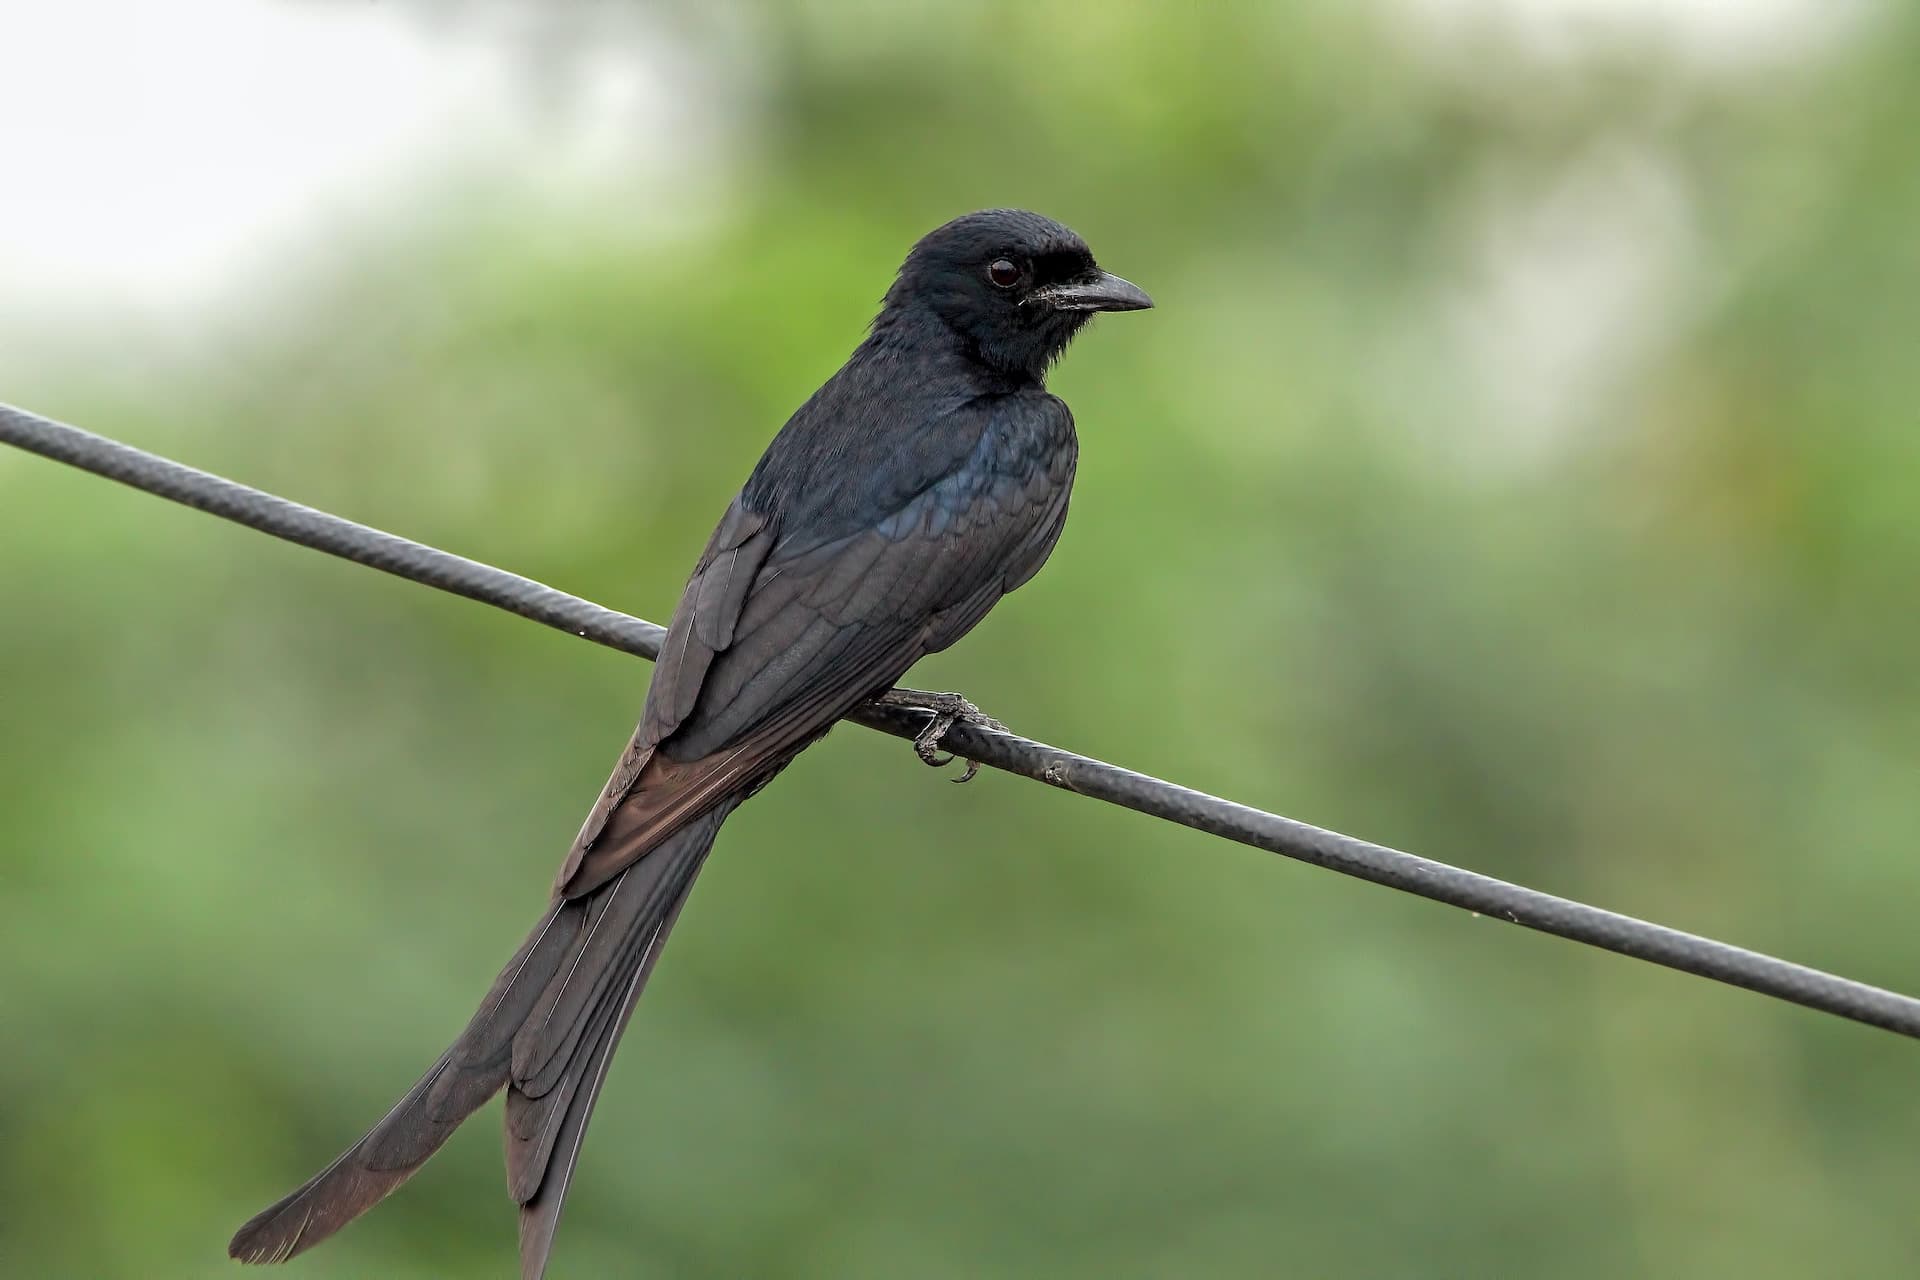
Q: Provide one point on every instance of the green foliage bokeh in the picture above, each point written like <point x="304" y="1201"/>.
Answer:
<point x="269" y="823"/>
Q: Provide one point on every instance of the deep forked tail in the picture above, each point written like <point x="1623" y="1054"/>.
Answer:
<point x="547" y="1028"/>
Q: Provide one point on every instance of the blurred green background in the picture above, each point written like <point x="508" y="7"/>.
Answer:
<point x="1519" y="469"/>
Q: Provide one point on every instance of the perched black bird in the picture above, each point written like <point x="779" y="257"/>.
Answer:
<point x="925" y="480"/>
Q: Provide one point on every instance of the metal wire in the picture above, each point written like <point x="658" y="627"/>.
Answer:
<point x="1082" y="775"/>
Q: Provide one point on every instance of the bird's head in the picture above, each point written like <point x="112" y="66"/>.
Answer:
<point x="1013" y="286"/>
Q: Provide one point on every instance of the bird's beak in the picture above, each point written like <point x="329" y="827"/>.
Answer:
<point x="1096" y="291"/>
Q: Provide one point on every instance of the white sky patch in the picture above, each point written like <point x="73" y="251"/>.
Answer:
<point x="1567" y="282"/>
<point x="1711" y="35"/>
<point x="1572" y="287"/>
<point x="150" y="152"/>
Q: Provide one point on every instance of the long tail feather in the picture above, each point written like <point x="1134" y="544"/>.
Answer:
<point x="550" y="1024"/>
<point x="470" y="1072"/>
<point x="544" y="1129"/>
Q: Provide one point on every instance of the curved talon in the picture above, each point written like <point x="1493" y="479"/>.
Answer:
<point x="926" y="744"/>
<point x="944" y="710"/>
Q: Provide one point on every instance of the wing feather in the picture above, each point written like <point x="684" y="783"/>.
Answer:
<point x="778" y="634"/>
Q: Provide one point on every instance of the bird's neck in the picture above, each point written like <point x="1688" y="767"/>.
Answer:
<point x="916" y="334"/>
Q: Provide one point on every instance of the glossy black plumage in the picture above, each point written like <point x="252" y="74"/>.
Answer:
<point x="922" y="482"/>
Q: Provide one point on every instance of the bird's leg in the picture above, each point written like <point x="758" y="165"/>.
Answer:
<point x="945" y="710"/>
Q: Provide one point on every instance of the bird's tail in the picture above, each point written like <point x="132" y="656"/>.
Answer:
<point x="547" y="1028"/>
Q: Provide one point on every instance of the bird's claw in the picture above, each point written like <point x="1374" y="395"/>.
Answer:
<point x="944" y="711"/>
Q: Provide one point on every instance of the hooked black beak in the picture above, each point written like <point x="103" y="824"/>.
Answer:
<point x="1097" y="291"/>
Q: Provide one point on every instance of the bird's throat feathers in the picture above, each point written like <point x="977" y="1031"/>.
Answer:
<point x="1003" y="355"/>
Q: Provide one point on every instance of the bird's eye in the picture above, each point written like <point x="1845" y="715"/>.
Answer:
<point x="1004" y="272"/>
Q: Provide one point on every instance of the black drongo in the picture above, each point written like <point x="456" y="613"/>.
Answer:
<point x="925" y="480"/>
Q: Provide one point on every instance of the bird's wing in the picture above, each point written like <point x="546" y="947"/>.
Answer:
<point x="702" y="625"/>
<point x="775" y="639"/>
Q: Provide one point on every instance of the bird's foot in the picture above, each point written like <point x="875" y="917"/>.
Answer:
<point x="945" y="711"/>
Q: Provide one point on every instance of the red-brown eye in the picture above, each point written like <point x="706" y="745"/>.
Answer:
<point x="1004" y="273"/>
